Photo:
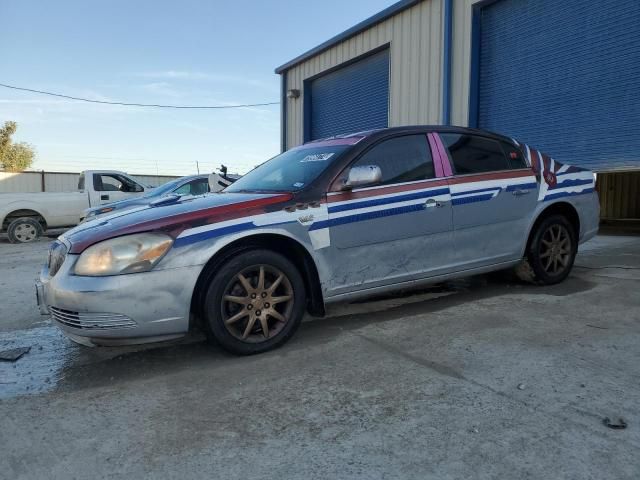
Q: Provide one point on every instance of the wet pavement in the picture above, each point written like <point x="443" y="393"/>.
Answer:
<point x="483" y="377"/>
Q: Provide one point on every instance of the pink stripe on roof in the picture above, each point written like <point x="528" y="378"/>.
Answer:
<point x="446" y="164"/>
<point x="437" y="157"/>
<point x="439" y="149"/>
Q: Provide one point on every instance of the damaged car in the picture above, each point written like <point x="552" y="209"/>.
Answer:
<point x="331" y="220"/>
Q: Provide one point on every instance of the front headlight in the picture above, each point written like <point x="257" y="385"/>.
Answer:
<point x="128" y="254"/>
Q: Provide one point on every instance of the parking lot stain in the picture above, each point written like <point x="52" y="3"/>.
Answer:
<point x="38" y="371"/>
<point x="437" y="367"/>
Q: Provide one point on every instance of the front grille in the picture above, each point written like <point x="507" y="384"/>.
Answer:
<point x="91" y="321"/>
<point x="55" y="257"/>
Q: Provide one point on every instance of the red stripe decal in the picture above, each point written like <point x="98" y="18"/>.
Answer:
<point x="480" y="177"/>
<point x="385" y="190"/>
<point x="535" y="161"/>
<point x="176" y="224"/>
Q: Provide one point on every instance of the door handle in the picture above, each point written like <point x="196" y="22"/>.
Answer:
<point x="104" y="197"/>
<point x="432" y="202"/>
<point x="518" y="193"/>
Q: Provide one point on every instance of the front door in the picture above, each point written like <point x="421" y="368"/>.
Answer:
<point x="111" y="187"/>
<point x="493" y="195"/>
<point x="396" y="230"/>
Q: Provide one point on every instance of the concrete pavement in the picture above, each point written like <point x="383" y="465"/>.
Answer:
<point x="481" y="378"/>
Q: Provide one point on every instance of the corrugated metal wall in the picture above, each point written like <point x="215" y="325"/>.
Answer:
<point x="415" y="38"/>
<point x="28" y="182"/>
<point x="570" y="88"/>
<point x="350" y="99"/>
<point x="461" y="61"/>
<point x="619" y="192"/>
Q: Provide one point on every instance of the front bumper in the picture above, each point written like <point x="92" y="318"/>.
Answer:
<point x="121" y="309"/>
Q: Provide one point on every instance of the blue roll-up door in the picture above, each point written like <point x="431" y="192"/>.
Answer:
<point x="563" y="76"/>
<point x="350" y="99"/>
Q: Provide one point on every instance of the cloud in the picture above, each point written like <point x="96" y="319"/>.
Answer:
<point x="161" y="88"/>
<point x="210" y="77"/>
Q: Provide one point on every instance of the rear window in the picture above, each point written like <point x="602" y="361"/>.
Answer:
<point x="474" y="154"/>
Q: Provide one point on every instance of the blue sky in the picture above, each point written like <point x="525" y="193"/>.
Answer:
<point x="186" y="52"/>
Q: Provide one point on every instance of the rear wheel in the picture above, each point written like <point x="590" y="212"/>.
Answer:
<point x="255" y="302"/>
<point x="24" y="230"/>
<point x="551" y="252"/>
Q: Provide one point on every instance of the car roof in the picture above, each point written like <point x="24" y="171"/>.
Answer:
<point x="192" y="177"/>
<point x="382" y="132"/>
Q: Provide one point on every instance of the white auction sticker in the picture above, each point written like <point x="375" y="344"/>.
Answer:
<point x="317" y="157"/>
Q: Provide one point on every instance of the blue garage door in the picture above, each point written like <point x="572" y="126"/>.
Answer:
<point x="563" y="76"/>
<point x="351" y="99"/>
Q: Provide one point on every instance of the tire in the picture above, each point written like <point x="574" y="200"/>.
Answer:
<point x="551" y="252"/>
<point x="24" y="230"/>
<point x="237" y="311"/>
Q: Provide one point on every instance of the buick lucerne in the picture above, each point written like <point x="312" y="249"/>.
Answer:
<point x="331" y="220"/>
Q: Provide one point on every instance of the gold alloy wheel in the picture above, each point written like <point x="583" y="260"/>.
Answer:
<point x="555" y="249"/>
<point x="257" y="303"/>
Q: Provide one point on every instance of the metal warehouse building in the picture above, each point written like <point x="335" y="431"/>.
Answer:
<point x="561" y="76"/>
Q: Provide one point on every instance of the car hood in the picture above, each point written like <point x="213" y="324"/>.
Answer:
<point x="127" y="202"/>
<point x="172" y="218"/>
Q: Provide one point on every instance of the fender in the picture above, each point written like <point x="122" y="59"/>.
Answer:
<point x="15" y="205"/>
<point x="541" y="210"/>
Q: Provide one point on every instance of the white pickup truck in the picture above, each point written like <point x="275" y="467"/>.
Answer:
<point x="25" y="216"/>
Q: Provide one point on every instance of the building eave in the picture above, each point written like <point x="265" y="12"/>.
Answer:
<point x="351" y="32"/>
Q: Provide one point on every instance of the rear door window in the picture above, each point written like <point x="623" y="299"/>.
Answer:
<point x="514" y="154"/>
<point x="474" y="154"/>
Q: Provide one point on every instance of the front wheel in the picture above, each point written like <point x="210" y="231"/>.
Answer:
<point x="551" y="252"/>
<point x="255" y="302"/>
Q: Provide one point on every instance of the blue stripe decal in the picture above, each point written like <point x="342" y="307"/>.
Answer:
<point x="385" y="201"/>
<point x="553" y="196"/>
<point x="218" y="232"/>
<point x="571" y="170"/>
<point x="492" y="189"/>
<point x="522" y="186"/>
<point x="477" y="198"/>
<point x="332" y="222"/>
<point x="573" y="183"/>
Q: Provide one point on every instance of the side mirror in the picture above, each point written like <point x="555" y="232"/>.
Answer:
<point x="362" y="176"/>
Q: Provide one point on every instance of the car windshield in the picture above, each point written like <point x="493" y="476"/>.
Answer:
<point x="164" y="188"/>
<point x="290" y="171"/>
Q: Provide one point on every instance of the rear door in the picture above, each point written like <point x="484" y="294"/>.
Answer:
<point x="397" y="229"/>
<point x="493" y="195"/>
